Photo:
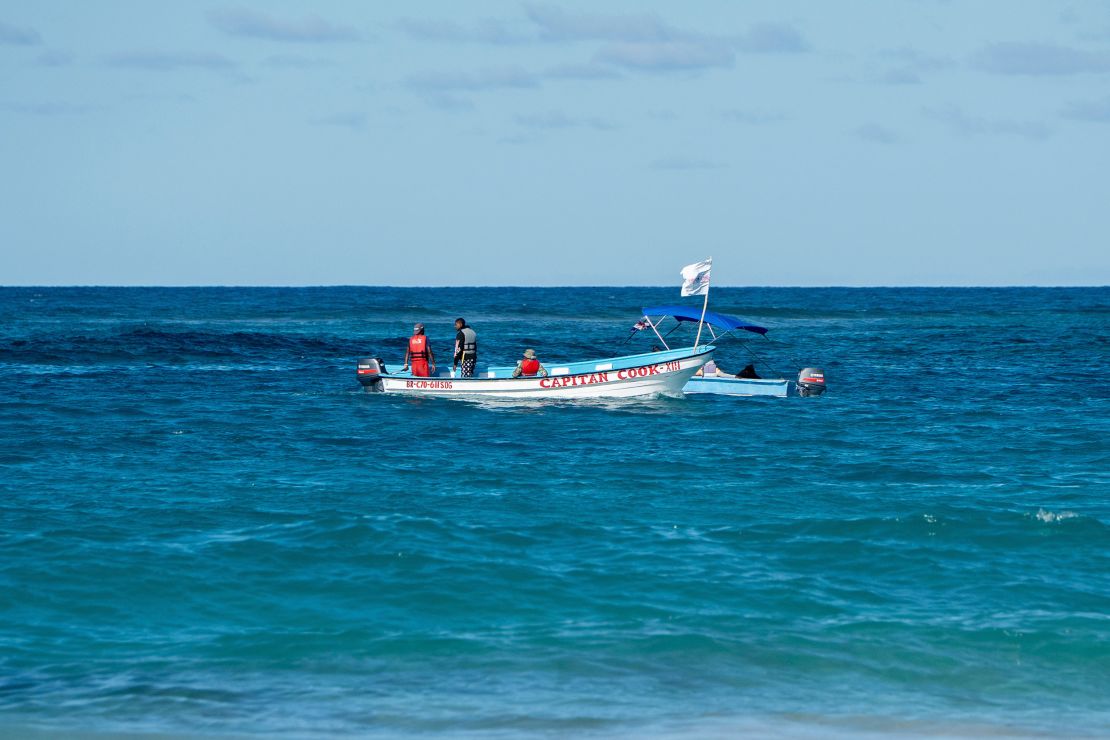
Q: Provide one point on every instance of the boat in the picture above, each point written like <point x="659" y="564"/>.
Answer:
<point x="627" y="376"/>
<point x="810" y="382"/>
<point x="724" y="386"/>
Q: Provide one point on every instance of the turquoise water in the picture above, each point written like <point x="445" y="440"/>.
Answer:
<point x="206" y="527"/>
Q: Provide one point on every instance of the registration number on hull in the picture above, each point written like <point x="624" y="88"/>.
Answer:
<point x="433" y="384"/>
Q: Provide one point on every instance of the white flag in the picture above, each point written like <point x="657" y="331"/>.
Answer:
<point x="695" y="278"/>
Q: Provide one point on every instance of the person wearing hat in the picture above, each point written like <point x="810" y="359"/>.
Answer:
<point x="420" y="353"/>
<point x="529" y="366"/>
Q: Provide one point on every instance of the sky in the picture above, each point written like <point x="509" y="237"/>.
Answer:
<point x="918" y="142"/>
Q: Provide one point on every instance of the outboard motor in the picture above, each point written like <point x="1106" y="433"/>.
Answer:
<point x="370" y="371"/>
<point x="811" y="382"/>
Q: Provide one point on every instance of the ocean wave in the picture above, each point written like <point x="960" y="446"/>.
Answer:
<point x="1052" y="517"/>
<point x="164" y="345"/>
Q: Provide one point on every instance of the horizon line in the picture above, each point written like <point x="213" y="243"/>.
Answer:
<point x="187" y="286"/>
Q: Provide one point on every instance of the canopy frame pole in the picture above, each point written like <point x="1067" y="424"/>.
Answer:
<point x="661" y="339"/>
<point x="672" y="331"/>
<point x="704" y="305"/>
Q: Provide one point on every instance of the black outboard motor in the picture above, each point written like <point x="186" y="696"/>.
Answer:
<point x="370" y="371"/>
<point x="811" y="382"/>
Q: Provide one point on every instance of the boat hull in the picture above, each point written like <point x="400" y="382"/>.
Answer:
<point x="777" y="387"/>
<point x="621" y="377"/>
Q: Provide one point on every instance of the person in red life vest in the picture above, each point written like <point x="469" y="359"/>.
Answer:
<point x="420" y="352"/>
<point x="529" y="366"/>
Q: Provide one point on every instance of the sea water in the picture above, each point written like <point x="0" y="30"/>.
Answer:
<point x="208" y="527"/>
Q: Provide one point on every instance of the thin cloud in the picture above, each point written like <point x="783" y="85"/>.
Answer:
<point x="1069" y="16"/>
<point x="517" y="140"/>
<point x="1034" y="59"/>
<point x="558" y="120"/>
<point x="168" y="61"/>
<point x="751" y="117"/>
<point x="311" y="29"/>
<point x="669" y="55"/>
<point x="354" y="120"/>
<point x="907" y="66"/>
<point x="637" y="41"/>
<point x="177" y="98"/>
<point x="582" y="72"/>
<point x="16" y="36"/>
<point x="772" y="38"/>
<point x="54" y="59"/>
<point x="685" y="163"/>
<point x="962" y="123"/>
<point x="449" y="103"/>
<point x="556" y="24"/>
<point x="644" y="42"/>
<point x="50" y="109"/>
<point x="485" y="79"/>
<point x="1095" y="111"/>
<point x="295" y="61"/>
<point x="898" y="76"/>
<point x="913" y="58"/>
<point x="634" y="41"/>
<point x="876" y="134"/>
<point x="486" y="31"/>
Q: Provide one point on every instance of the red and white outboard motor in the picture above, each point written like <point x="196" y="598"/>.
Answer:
<point x="370" y="371"/>
<point x="811" y="382"/>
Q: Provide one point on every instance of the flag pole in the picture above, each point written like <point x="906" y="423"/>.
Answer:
<point x="704" y="305"/>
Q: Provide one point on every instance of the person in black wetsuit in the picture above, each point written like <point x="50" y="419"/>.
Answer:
<point x="466" y="348"/>
<point x="748" y="372"/>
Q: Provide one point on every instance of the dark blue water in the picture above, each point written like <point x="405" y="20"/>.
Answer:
<point x="206" y="526"/>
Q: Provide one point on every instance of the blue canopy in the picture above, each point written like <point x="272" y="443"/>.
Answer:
<point x="688" y="313"/>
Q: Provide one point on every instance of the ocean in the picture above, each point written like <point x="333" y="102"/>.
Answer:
<point x="208" y="528"/>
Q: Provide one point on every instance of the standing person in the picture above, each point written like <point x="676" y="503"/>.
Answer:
<point x="466" y="348"/>
<point x="420" y="352"/>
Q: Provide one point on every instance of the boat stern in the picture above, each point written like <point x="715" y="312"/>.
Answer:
<point x="369" y="374"/>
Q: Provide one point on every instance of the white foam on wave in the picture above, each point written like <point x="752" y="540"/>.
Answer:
<point x="1049" y="517"/>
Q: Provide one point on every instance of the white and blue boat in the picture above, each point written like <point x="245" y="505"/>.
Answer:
<point x="614" y="377"/>
<point x="710" y="379"/>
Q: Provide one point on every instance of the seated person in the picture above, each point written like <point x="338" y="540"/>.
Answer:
<point x="711" y="370"/>
<point x="529" y="366"/>
<point x="748" y="372"/>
